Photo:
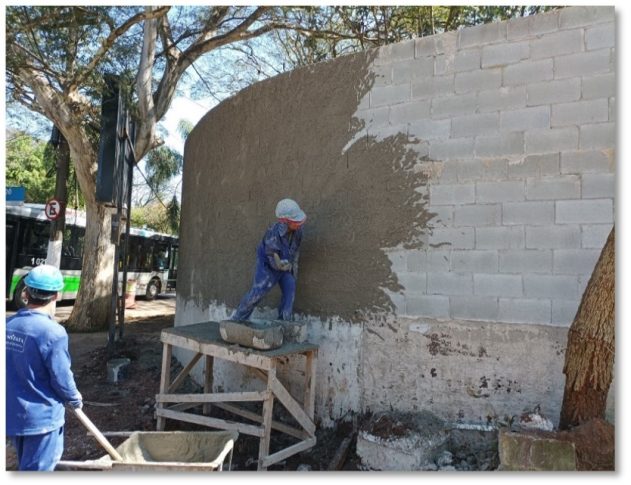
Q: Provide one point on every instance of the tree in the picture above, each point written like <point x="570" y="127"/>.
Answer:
<point x="28" y="166"/>
<point x="589" y="357"/>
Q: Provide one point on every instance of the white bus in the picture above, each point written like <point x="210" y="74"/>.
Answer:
<point x="151" y="262"/>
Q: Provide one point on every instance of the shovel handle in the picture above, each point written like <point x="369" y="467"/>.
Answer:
<point x="97" y="434"/>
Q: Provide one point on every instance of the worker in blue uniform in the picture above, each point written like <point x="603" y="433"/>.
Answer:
<point x="276" y="262"/>
<point x="38" y="376"/>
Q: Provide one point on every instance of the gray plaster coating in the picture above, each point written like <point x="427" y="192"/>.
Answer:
<point x="251" y="335"/>
<point x="296" y="136"/>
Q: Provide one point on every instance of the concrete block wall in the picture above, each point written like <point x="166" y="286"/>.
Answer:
<point x="459" y="189"/>
<point x="520" y="136"/>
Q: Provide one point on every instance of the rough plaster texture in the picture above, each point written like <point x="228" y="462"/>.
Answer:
<point x="444" y="178"/>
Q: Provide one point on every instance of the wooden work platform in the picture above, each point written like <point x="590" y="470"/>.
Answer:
<point x="204" y="339"/>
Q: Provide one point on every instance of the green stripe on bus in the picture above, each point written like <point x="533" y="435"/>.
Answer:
<point x="71" y="283"/>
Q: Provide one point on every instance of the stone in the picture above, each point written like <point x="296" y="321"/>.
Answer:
<point x="252" y="335"/>
<point x="535" y="452"/>
<point x="293" y="331"/>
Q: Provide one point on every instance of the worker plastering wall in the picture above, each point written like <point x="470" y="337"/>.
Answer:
<point x="459" y="189"/>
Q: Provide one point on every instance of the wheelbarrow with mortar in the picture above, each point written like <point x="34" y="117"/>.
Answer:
<point x="159" y="450"/>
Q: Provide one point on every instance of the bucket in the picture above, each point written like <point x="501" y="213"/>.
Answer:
<point x="130" y="294"/>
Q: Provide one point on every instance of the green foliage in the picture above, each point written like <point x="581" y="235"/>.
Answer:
<point x="28" y="166"/>
<point x="156" y="217"/>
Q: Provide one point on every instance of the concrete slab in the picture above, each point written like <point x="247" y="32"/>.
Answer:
<point x="535" y="451"/>
<point x="252" y="335"/>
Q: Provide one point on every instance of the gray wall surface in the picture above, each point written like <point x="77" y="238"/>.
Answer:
<point x="459" y="189"/>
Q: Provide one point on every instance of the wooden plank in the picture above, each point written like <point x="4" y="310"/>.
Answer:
<point x="183" y="373"/>
<point x="208" y="380"/>
<point x="260" y="374"/>
<point x="292" y="405"/>
<point x="165" y="379"/>
<point x="211" y="422"/>
<point x="282" y="427"/>
<point x="310" y="382"/>
<point x="216" y="397"/>
<point x="340" y="455"/>
<point x="289" y="451"/>
<point x="182" y="406"/>
<point x="268" y="406"/>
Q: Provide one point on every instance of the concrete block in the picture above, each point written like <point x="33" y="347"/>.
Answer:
<point x="585" y="15"/>
<point x="584" y="211"/>
<point x="478" y="215"/>
<point x="508" y="53"/>
<point x="519" y="213"/>
<point x="443" y="216"/>
<point x="500" y="237"/>
<point x="612" y="109"/>
<point x="583" y="64"/>
<point x="598" y="185"/>
<point x="599" y="86"/>
<point x="438" y="261"/>
<point x="599" y="135"/>
<point x="400" y="51"/>
<point x="518" y="28"/>
<point x="537" y="311"/>
<point x="594" y="236"/>
<point x="412" y="442"/>
<point x="549" y="92"/>
<point x="430" y="87"/>
<point x="557" y="44"/>
<point x="467" y="60"/>
<point x="525" y="119"/>
<point x="398" y="260"/>
<point x="472" y="261"/>
<point x="489" y="192"/>
<point x="600" y="37"/>
<point x="476" y="124"/>
<point x="552" y="140"/>
<point x="436" y="44"/>
<point x="544" y="23"/>
<point x="453" y="238"/>
<point x="575" y="261"/>
<point x="413" y="282"/>
<point x="528" y="72"/>
<point x="531" y="452"/>
<point x="388" y="95"/>
<point x="449" y="284"/>
<point x="432" y="306"/>
<point x="416" y="260"/>
<point x="563" y="312"/>
<point x="454" y="105"/>
<point x="478" y="80"/>
<point x="448" y="172"/>
<point x="553" y="237"/>
<point x="451" y="149"/>
<point x="412" y="69"/>
<point x="584" y="162"/>
<point x="251" y="335"/>
<point x="526" y="261"/>
<point x="551" y="188"/>
<point x="482" y="34"/>
<point x="554" y="287"/>
<point x="409" y="112"/>
<point x="482" y="308"/>
<point x="382" y="74"/>
<point x="580" y="112"/>
<point x="429" y="129"/>
<point x="504" y="98"/>
<point x="293" y="331"/>
<point x="444" y="64"/>
<point x="499" y="145"/>
<point x="476" y="169"/>
<point x="376" y="117"/>
<point x="451" y="194"/>
<point x="497" y="285"/>
<point x="535" y="166"/>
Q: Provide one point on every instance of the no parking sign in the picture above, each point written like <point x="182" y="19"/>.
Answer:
<point x="53" y="209"/>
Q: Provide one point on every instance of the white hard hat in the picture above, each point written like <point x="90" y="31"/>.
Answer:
<point x="289" y="209"/>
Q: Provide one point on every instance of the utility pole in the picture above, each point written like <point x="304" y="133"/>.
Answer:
<point x="59" y="142"/>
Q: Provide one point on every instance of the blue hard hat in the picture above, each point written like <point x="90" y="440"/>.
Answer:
<point x="45" y="277"/>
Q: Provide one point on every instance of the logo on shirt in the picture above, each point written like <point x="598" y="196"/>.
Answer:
<point x="15" y="341"/>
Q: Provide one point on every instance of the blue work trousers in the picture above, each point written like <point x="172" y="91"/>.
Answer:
<point x="264" y="280"/>
<point x="39" y="452"/>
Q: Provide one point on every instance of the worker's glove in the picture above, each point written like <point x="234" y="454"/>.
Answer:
<point x="284" y="265"/>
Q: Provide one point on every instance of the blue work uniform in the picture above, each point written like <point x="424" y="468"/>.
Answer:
<point x="280" y="240"/>
<point x="38" y="383"/>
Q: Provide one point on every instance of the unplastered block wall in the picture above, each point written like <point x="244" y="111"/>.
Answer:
<point x="459" y="189"/>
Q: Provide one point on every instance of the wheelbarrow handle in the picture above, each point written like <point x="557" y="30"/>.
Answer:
<point x="97" y="434"/>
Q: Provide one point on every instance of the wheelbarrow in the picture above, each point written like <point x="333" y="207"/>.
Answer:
<point x="159" y="450"/>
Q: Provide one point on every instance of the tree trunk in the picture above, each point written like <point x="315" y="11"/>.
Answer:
<point x="92" y="306"/>
<point x="590" y="350"/>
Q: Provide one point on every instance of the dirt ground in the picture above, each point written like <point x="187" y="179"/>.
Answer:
<point x="129" y="404"/>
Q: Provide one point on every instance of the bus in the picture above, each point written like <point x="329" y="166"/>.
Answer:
<point x="151" y="262"/>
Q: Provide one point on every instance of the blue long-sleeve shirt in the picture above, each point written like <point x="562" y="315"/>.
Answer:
<point x="38" y="376"/>
<point x="279" y="239"/>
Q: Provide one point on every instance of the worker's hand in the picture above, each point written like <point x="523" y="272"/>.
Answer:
<point x="284" y="265"/>
<point x="78" y="404"/>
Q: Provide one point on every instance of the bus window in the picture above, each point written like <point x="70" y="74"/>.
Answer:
<point x="36" y="236"/>
<point x="161" y="260"/>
